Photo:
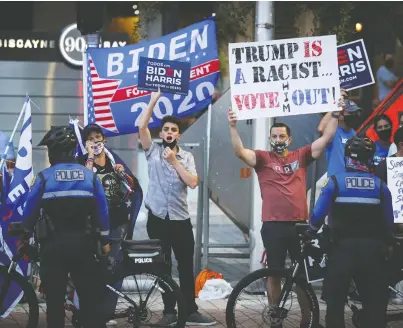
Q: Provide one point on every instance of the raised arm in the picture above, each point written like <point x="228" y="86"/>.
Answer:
<point x="144" y="132"/>
<point x="323" y="122"/>
<point x="246" y="155"/>
<point x="319" y="145"/>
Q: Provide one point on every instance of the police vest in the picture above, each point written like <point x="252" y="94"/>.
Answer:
<point x="68" y="191"/>
<point x="357" y="209"/>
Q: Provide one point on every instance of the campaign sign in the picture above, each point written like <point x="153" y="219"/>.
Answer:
<point x="394" y="167"/>
<point x="111" y="77"/>
<point x="166" y="75"/>
<point x="354" y="68"/>
<point x="284" y="77"/>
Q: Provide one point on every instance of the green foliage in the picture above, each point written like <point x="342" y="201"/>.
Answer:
<point x="332" y="18"/>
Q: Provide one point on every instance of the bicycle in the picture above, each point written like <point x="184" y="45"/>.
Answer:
<point x="308" y="269"/>
<point x="255" y="287"/>
<point x="140" y="257"/>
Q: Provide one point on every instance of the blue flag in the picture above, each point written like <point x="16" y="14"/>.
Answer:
<point x="115" y="103"/>
<point x="12" y="210"/>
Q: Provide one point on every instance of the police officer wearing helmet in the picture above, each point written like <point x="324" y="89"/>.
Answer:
<point x="360" y="212"/>
<point x="69" y="197"/>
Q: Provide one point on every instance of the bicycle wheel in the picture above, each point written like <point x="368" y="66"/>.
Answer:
<point x="248" y="304"/>
<point x="25" y="314"/>
<point x="136" y="304"/>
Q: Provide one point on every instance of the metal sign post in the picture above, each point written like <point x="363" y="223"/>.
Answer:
<point x="264" y="31"/>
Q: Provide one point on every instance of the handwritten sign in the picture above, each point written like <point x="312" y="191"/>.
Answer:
<point x="284" y="77"/>
<point x="354" y="67"/>
<point x="168" y="75"/>
<point x="394" y="167"/>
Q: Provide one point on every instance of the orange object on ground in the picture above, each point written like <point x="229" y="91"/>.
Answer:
<point x="203" y="276"/>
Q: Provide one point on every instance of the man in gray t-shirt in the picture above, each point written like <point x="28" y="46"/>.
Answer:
<point x="171" y="171"/>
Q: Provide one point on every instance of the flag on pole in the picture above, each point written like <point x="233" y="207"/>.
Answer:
<point x="12" y="210"/>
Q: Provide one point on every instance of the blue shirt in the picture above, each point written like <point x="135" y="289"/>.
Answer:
<point x="335" y="151"/>
<point x="380" y="153"/>
<point x="384" y="75"/>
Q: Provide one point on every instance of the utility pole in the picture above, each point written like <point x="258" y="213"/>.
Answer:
<point x="264" y="31"/>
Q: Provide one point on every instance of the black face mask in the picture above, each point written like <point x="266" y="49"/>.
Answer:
<point x="389" y="63"/>
<point x="280" y="147"/>
<point x="353" y="121"/>
<point x="171" y="144"/>
<point x="384" y="135"/>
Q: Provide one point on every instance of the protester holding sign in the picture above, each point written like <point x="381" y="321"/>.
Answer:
<point x="348" y="122"/>
<point x="171" y="171"/>
<point x="383" y="128"/>
<point x="282" y="179"/>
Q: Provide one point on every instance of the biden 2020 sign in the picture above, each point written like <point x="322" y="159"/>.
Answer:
<point x="114" y="100"/>
<point x="166" y="75"/>
<point x="354" y="67"/>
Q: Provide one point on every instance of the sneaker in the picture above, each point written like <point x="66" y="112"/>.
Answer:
<point x="168" y="319"/>
<point x="197" y="319"/>
<point x="397" y="301"/>
<point x="111" y="323"/>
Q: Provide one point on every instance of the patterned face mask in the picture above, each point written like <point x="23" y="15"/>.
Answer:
<point x="280" y="147"/>
<point x="98" y="147"/>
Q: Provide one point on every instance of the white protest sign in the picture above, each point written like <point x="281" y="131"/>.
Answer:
<point x="284" y="77"/>
<point x="394" y="167"/>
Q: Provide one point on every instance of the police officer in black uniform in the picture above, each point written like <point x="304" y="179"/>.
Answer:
<point x="361" y="224"/>
<point x="70" y="198"/>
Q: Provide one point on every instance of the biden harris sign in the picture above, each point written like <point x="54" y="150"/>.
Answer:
<point x="114" y="99"/>
<point x="168" y="76"/>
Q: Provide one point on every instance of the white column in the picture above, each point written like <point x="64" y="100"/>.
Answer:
<point x="264" y="31"/>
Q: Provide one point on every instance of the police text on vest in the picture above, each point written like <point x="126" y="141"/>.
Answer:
<point x="69" y="175"/>
<point x="360" y="183"/>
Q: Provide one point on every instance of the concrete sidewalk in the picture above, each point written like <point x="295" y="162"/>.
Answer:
<point x="249" y="317"/>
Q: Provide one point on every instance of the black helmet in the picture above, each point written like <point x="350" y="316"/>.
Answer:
<point x="60" y="138"/>
<point x="361" y="149"/>
<point x="91" y="128"/>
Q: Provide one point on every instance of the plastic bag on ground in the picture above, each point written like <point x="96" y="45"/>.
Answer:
<point x="215" y="289"/>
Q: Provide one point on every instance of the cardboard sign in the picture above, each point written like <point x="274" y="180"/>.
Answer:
<point x="170" y="76"/>
<point x="284" y="77"/>
<point x="394" y="167"/>
<point x="354" y="67"/>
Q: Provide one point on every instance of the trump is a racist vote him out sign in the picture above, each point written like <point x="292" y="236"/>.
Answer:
<point x="284" y="77"/>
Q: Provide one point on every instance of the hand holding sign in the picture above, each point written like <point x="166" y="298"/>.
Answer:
<point x="232" y="117"/>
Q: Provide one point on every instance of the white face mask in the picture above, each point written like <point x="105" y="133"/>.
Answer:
<point x="98" y="147"/>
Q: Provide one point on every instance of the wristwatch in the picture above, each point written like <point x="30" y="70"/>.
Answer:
<point x="335" y="114"/>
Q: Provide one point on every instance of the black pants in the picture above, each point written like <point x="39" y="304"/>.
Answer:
<point x="64" y="254"/>
<point x="364" y="261"/>
<point x="177" y="236"/>
<point x="116" y="236"/>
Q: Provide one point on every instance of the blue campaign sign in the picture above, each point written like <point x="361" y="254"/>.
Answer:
<point x="169" y="76"/>
<point x="354" y="67"/>
<point x="113" y="98"/>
